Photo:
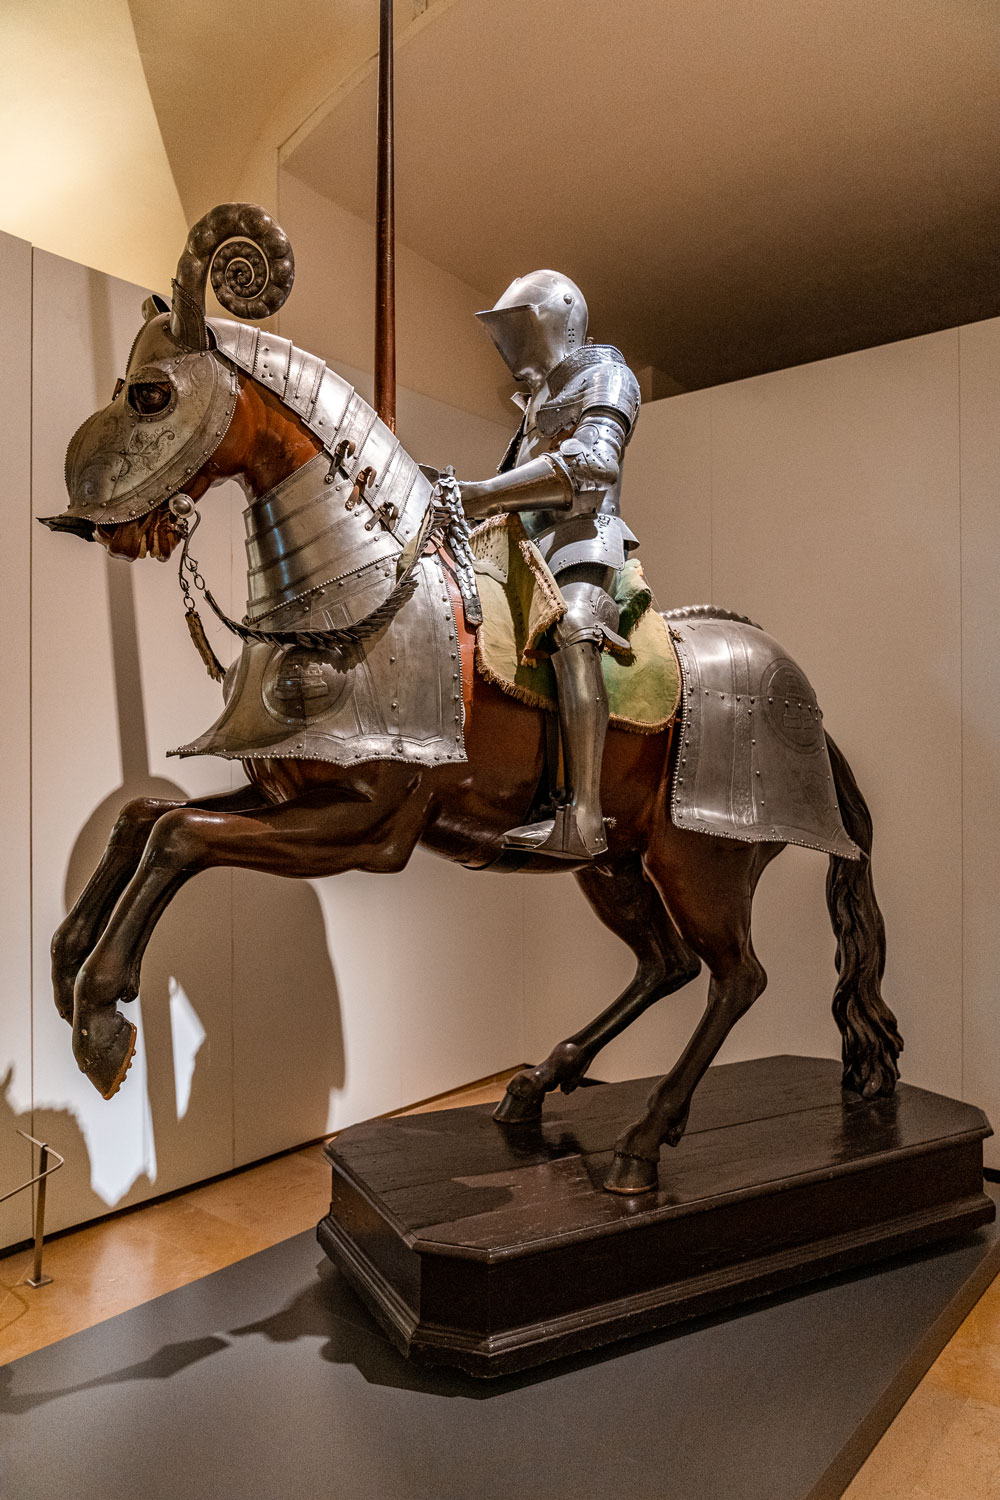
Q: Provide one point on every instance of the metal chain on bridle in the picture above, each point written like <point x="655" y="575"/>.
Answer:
<point x="445" y="525"/>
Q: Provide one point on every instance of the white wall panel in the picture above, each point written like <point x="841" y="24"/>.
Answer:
<point x="979" y="347"/>
<point x="15" y="738"/>
<point x="115" y="676"/>
<point x="836" y="525"/>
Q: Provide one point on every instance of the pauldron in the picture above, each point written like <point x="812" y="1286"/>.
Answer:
<point x="595" y="376"/>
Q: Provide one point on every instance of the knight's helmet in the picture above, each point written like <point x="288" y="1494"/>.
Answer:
<point x="539" y="319"/>
<point x="173" y="407"/>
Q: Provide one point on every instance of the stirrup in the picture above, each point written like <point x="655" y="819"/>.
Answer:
<point x="559" y="838"/>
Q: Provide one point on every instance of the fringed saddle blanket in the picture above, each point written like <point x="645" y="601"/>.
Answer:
<point x="522" y="601"/>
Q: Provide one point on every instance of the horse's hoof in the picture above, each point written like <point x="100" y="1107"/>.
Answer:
<point x="630" y="1175"/>
<point x="518" y="1109"/>
<point x="104" y="1049"/>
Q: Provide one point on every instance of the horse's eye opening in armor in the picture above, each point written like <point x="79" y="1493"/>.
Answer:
<point x="149" y="396"/>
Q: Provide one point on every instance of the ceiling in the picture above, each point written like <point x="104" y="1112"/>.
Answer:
<point x="737" y="185"/>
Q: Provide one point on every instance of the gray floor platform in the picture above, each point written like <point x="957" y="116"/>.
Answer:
<point x="268" y="1381"/>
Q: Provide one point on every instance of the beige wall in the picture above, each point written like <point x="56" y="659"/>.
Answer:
<point x="83" y="172"/>
<point x="441" y="350"/>
<point x="979" y="374"/>
<point x="850" y="507"/>
<point x="15" y="739"/>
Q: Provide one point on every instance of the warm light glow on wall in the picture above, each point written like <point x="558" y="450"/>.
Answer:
<point x="83" y="171"/>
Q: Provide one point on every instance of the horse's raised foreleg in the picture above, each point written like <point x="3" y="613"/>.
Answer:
<point x="709" y="891"/>
<point x="372" y="825"/>
<point x="79" y="931"/>
<point x="627" y="901"/>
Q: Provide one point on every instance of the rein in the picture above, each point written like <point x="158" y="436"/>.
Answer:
<point x="444" y="525"/>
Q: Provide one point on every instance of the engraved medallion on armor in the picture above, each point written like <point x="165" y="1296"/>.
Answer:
<point x="791" y="708"/>
<point x="301" y="684"/>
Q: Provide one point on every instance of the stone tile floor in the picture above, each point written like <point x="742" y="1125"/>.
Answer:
<point x="943" y="1445"/>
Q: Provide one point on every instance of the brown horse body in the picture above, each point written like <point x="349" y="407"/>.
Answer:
<point x="677" y="898"/>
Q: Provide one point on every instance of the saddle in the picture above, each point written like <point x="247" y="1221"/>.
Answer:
<point x="521" y="602"/>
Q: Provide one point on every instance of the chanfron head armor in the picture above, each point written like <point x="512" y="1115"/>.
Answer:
<point x="539" y="319"/>
<point x="173" y="408"/>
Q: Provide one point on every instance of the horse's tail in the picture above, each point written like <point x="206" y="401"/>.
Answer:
<point x="871" y="1042"/>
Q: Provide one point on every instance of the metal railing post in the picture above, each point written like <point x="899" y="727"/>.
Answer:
<point x="36" y="1278"/>
<point x="41" y="1177"/>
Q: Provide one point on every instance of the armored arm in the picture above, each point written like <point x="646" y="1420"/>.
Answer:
<point x="574" y="477"/>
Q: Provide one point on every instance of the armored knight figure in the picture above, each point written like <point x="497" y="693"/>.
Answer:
<point x="562" y="472"/>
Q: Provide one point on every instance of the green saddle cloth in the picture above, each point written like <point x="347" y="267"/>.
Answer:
<point x="522" y="601"/>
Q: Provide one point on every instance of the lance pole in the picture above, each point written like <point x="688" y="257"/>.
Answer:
<point x="385" y="234"/>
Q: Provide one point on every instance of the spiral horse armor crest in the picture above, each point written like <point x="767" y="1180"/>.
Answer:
<point x="250" y="261"/>
<point x="173" y="407"/>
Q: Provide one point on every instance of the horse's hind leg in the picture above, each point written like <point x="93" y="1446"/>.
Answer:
<point x="708" y="886"/>
<point x="77" y="934"/>
<point x="626" y="900"/>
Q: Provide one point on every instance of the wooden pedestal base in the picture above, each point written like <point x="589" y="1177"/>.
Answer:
<point x="493" y="1248"/>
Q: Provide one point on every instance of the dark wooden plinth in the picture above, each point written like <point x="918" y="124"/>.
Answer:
<point x="493" y="1249"/>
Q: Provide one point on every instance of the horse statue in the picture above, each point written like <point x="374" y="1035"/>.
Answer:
<point x="365" y="727"/>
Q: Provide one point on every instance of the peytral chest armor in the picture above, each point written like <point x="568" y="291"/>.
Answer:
<point x="591" y="379"/>
<point x="322" y="554"/>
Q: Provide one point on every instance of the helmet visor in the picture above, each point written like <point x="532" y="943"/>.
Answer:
<point x="522" y="339"/>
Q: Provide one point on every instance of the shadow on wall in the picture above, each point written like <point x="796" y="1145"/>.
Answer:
<point x="205" y="1047"/>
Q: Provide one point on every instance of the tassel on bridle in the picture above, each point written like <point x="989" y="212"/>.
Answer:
<point x="187" y="517"/>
